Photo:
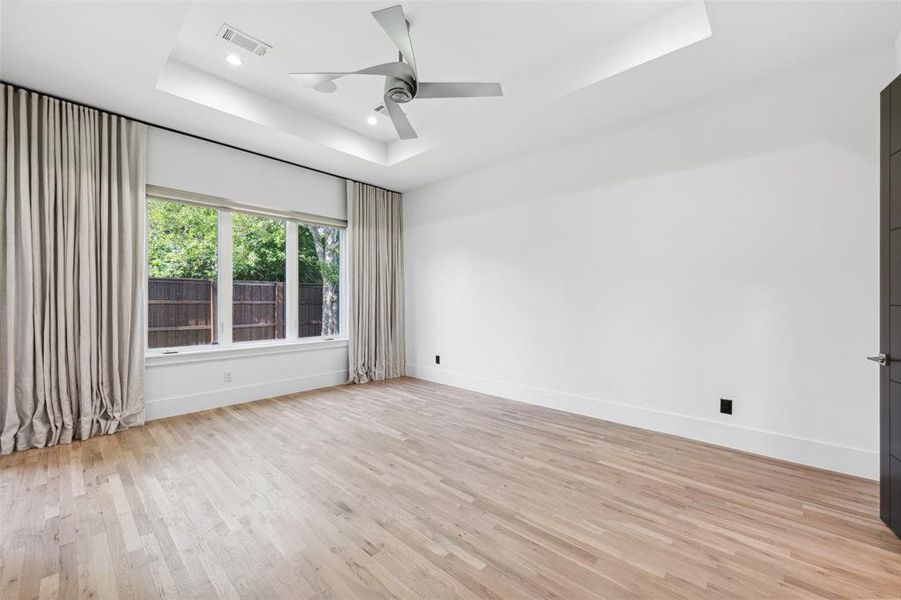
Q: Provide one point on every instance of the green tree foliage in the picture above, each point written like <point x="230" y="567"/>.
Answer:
<point x="182" y="241"/>
<point x="258" y="248"/>
<point x="182" y="244"/>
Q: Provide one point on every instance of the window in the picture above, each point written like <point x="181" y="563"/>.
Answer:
<point x="319" y="275"/>
<point x="228" y="277"/>
<point x="258" y="278"/>
<point x="181" y="267"/>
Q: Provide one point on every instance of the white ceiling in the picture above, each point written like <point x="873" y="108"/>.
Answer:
<point x="537" y="51"/>
<point x="471" y="41"/>
<point x="567" y="68"/>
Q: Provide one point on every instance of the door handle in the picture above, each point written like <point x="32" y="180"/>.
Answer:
<point x="881" y="358"/>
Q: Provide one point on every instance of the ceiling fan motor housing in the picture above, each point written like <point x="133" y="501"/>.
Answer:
<point x="398" y="90"/>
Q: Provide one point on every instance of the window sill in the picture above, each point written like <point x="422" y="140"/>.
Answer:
<point x="244" y="349"/>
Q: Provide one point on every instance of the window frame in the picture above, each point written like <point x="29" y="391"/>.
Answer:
<point x="226" y="347"/>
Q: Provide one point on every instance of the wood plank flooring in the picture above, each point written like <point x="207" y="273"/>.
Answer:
<point x="417" y="490"/>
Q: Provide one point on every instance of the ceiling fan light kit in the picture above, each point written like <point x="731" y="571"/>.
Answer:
<point x="401" y="83"/>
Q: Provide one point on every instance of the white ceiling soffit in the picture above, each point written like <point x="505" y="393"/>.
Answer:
<point x="190" y="83"/>
<point x="265" y="95"/>
<point x="119" y="55"/>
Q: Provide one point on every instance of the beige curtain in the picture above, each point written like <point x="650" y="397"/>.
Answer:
<point x="71" y="271"/>
<point x="376" y="280"/>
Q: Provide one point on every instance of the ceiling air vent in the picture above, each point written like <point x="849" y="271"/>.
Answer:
<point x="238" y="38"/>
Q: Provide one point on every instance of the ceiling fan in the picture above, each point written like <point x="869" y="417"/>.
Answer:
<point x="401" y="82"/>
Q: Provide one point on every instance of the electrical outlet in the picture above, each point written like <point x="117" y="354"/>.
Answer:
<point x="437" y="359"/>
<point x="228" y="377"/>
<point x="725" y="406"/>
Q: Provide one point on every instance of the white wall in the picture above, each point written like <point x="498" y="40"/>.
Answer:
<point x="174" y="386"/>
<point x="188" y="164"/>
<point x="898" y="49"/>
<point x="898" y="55"/>
<point x="726" y="249"/>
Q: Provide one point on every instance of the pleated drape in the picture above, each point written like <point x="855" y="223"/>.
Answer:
<point x="376" y="349"/>
<point x="71" y="269"/>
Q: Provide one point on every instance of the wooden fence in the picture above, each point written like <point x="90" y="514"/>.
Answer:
<point x="182" y="312"/>
<point x="310" y="315"/>
<point x="258" y="311"/>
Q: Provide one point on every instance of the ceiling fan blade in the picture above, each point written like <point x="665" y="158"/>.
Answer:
<point x="324" y="82"/>
<point x="316" y="79"/>
<point x="392" y="69"/>
<point x="401" y="123"/>
<point x="394" y="22"/>
<point x="447" y="89"/>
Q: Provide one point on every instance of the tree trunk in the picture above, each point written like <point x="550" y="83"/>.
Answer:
<point x="326" y="241"/>
<point x="329" y="309"/>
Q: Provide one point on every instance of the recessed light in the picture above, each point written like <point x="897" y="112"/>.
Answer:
<point x="234" y="60"/>
<point x="372" y="120"/>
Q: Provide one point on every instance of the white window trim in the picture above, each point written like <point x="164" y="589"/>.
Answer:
<point x="291" y="279"/>
<point x="195" y="354"/>
<point x="225" y="346"/>
<point x="224" y="280"/>
<point x="344" y="284"/>
<point x="163" y="193"/>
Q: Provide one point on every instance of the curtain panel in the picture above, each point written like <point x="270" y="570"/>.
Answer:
<point x="72" y="273"/>
<point x="376" y="348"/>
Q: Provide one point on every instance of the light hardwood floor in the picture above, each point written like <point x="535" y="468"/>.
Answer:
<point x="417" y="490"/>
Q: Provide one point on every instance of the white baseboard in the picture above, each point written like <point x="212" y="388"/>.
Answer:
<point x="815" y="453"/>
<point x="179" y="405"/>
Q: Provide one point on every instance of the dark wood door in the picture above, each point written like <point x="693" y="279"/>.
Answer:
<point x="890" y="307"/>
